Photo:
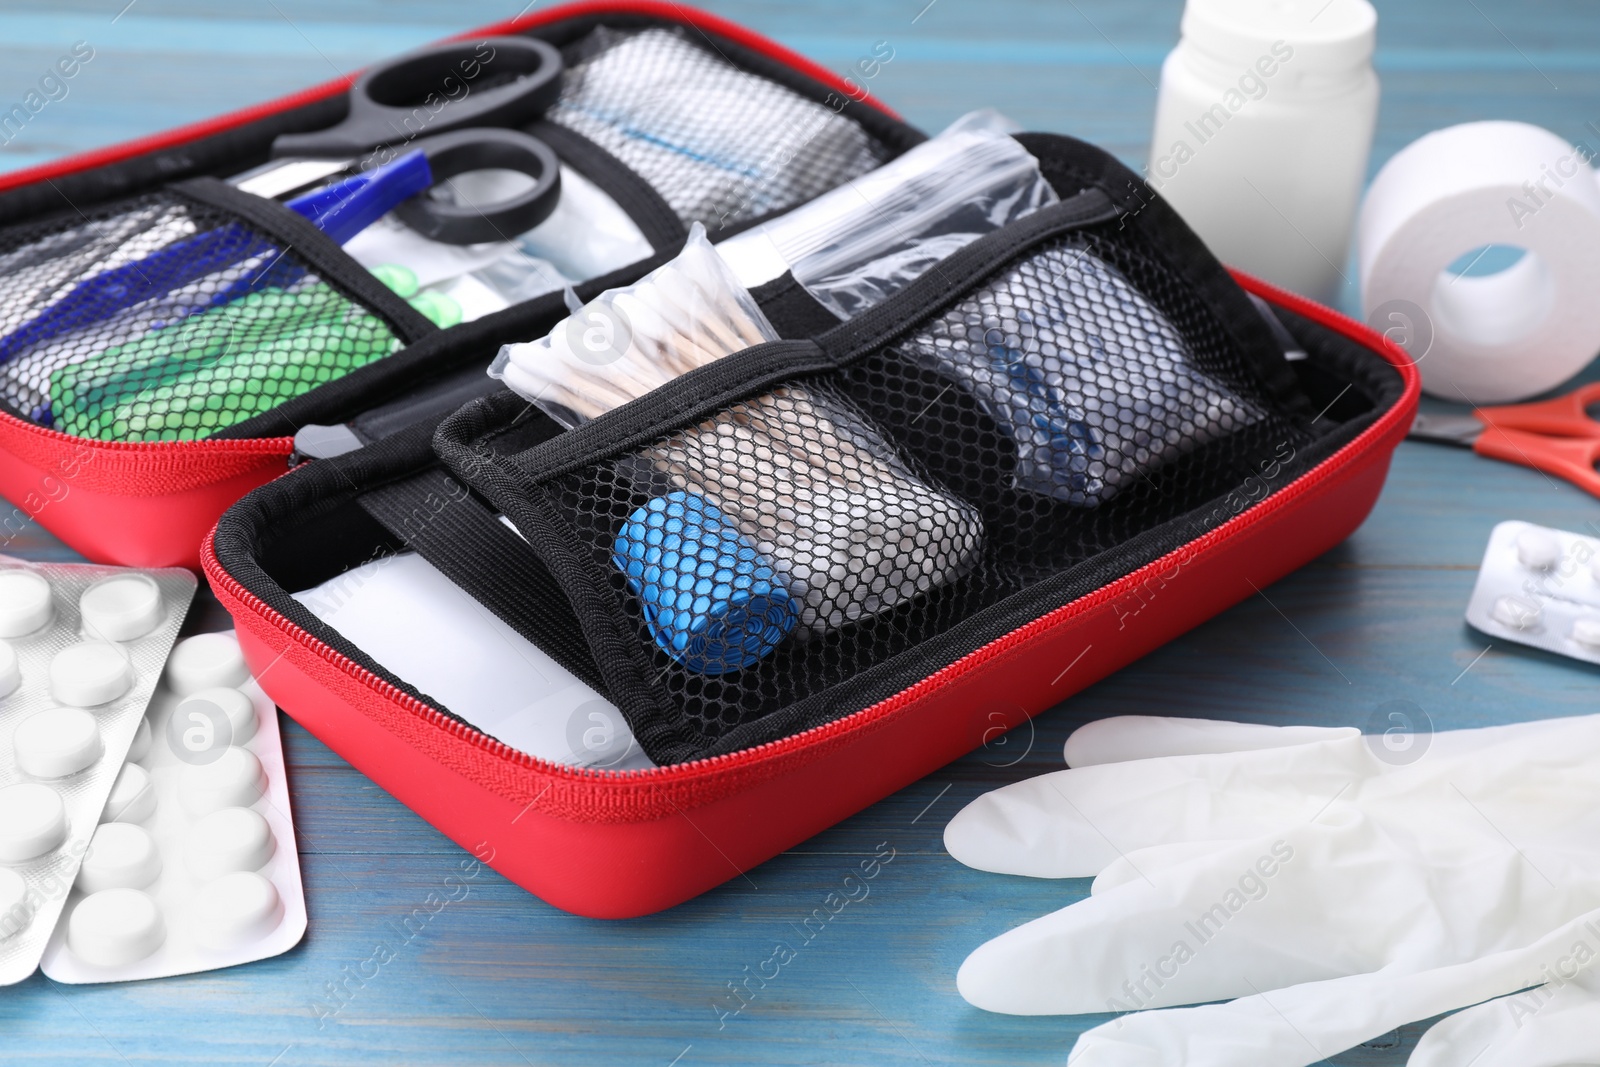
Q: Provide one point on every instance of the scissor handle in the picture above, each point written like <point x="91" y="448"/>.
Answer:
<point x="455" y="153"/>
<point x="1564" y="416"/>
<point x="498" y="81"/>
<point x="1571" y="458"/>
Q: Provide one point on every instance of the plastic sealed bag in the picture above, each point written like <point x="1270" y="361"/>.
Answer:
<point x="857" y="245"/>
<point x="626" y="342"/>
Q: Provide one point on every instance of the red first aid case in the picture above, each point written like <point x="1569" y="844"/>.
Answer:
<point x="147" y="498"/>
<point x="1067" y="443"/>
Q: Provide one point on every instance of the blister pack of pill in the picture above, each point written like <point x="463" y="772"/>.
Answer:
<point x="81" y="650"/>
<point x="1541" y="587"/>
<point x="194" y="865"/>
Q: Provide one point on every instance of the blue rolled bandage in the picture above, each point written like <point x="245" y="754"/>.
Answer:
<point x="710" y="599"/>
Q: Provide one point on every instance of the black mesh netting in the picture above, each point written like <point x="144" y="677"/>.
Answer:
<point x="719" y="144"/>
<point x="1073" y="401"/>
<point x="158" y="320"/>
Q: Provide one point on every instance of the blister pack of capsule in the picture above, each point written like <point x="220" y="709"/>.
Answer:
<point x="1541" y="587"/>
<point x="193" y="866"/>
<point x="81" y="650"/>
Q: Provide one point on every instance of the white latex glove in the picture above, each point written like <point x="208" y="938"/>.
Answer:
<point x="1551" y="1026"/>
<point x="1338" y="894"/>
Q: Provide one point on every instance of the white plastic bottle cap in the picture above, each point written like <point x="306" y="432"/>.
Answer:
<point x="121" y="856"/>
<point x="232" y="780"/>
<point x="141" y="742"/>
<point x="122" y="608"/>
<point x="1538" y="549"/>
<point x="1326" y="35"/>
<point x="1517" y="613"/>
<point x="14" y="910"/>
<point x="24" y="602"/>
<point x="240" y="709"/>
<point x="32" y="821"/>
<point x="205" y="661"/>
<point x="57" y="742"/>
<point x="115" y="927"/>
<point x="133" y="796"/>
<point x="10" y="669"/>
<point x="233" y="839"/>
<point x="1586" y="632"/>
<point x="90" y="673"/>
<point x="235" y="909"/>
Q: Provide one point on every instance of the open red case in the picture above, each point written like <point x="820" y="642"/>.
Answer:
<point x="147" y="498"/>
<point x="1028" y="554"/>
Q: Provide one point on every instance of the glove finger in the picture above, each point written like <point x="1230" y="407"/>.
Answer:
<point x="1152" y="863"/>
<point x="1319" y="901"/>
<point x="1123" y="738"/>
<point x="1073" y="823"/>
<point x="1551" y="1026"/>
<point x="1301" y="1025"/>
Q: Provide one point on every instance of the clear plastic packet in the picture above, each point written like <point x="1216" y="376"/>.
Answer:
<point x="857" y="245"/>
<point x="626" y="342"/>
<point x="193" y="866"/>
<point x="81" y="649"/>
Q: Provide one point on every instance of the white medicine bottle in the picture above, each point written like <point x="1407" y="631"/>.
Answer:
<point x="1263" y="128"/>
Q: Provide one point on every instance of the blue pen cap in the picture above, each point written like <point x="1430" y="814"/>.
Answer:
<point x="710" y="599"/>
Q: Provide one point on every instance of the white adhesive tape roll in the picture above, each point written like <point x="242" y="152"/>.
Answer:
<point x="1496" y="337"/>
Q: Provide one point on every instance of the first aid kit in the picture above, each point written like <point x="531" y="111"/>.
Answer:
<point x="194" y="865"/>
<point x="805" y="570"/>
<point x="1540" y="587"/>
<point x="1337" y="886"/>
<point x="128" y="428"/>
<point x="81" y="649"/>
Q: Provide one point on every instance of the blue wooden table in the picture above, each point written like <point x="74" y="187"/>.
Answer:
<point x="497" y="977"/>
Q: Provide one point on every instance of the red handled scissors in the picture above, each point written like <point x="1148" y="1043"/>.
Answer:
<point x="1555" y="436"/>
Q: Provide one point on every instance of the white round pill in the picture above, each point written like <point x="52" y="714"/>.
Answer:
<point x="235" y="909"/>
<point x="239" y="708"/>
<point x="58" y="742"/>
<point x="121" y="856"/>
<point x="1587" y="632"/>
<point x="90" y="673"/>
<point x="123" y="608"/>
<point x="14" y="908"/>
<point x="233" y="839"/>
<point x="232" y="780"/>
<point x="1538" y="549"/>
<point x="10" y="669"/>
<point x="141" y="742"/>
<point x="205" y="661"/>
<point x="1517" y="613"/>
<point x="32" y="821"/>
<point x="133" y="796"/>
<point x="24" y="602"/>
<point x="115" y="927"/>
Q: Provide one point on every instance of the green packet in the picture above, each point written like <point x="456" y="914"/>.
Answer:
<point x="226" y="364"/>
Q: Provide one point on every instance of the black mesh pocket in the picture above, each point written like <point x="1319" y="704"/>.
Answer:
<point x="719" y="144"/>
<point x="766" y="552"/>
<point x="1078" y="397"/>
<point x="163" y="319"/>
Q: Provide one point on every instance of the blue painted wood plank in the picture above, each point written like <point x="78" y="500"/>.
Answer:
<point x="498" y="977"/>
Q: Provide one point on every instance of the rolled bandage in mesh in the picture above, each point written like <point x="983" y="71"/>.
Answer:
<point x="825" y="502"/>
<point x="720" y="145"/>
<point x="1089" y="379"/>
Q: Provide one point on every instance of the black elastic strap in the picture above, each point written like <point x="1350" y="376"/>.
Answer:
<point x="435" y="516"/>
<point x="647" y="208"/>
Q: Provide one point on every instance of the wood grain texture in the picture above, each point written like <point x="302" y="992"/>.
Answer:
<point x="498" y="977"/>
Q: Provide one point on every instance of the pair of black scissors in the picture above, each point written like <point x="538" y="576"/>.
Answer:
<point x="455" y="106"/>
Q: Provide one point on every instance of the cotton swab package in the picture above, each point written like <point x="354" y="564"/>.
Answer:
<point x="194" y="865"/>
<point x="855" y="246"/>
<point x="432" y="635"/>
<point x="1541" y="587"/>
<point x="81" y="649"/>
<point x="625" y="342"/>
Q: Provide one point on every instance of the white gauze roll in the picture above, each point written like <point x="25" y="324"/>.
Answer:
<point x="1498" y="337"/>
